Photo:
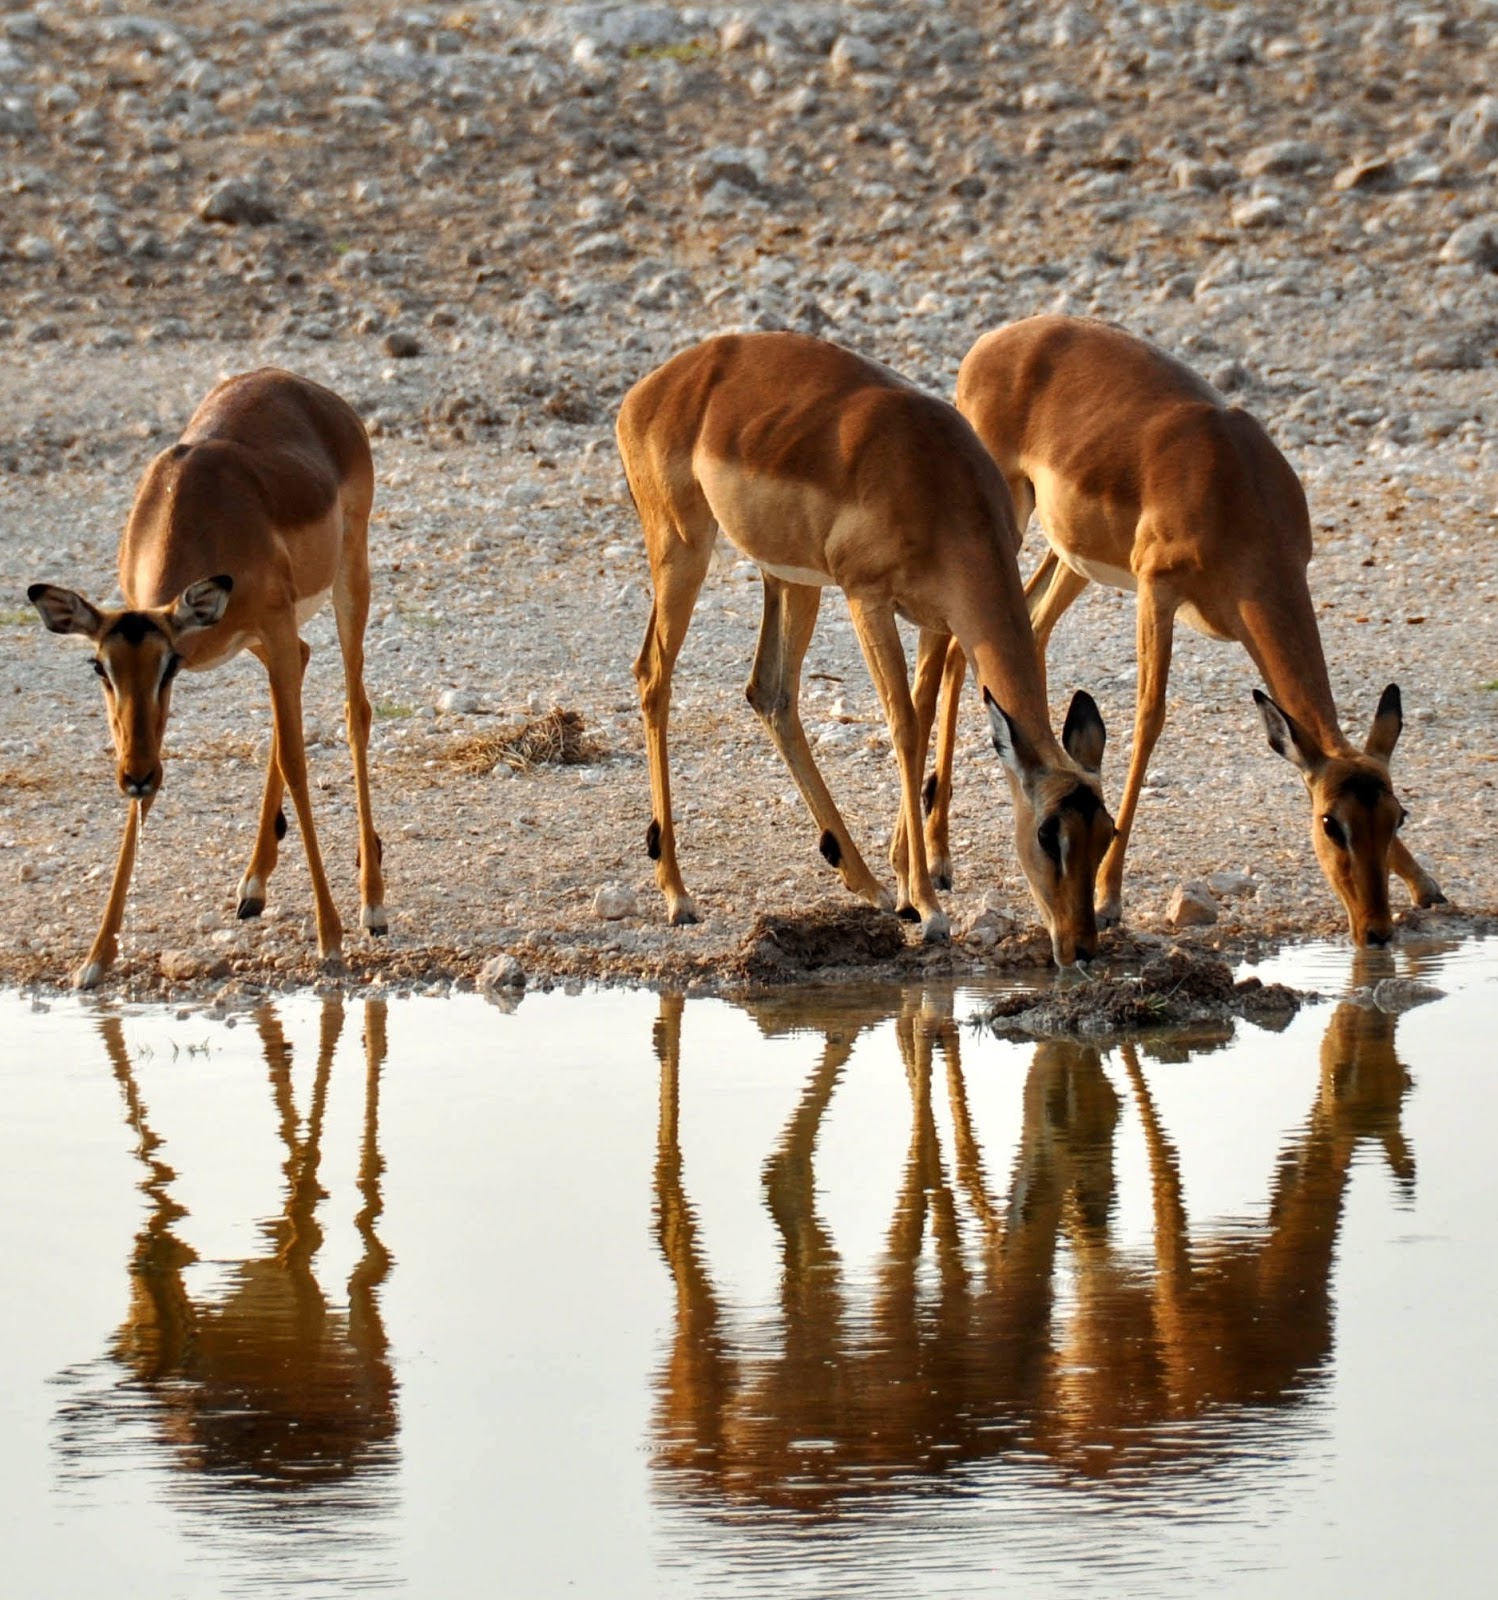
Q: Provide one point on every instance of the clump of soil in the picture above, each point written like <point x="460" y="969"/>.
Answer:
<point x="1174" y="990"/>
<point x="560" y="738"/>
<point x="778" y="949"/>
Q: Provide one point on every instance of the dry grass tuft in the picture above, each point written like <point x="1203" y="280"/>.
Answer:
<point x="557" y="739"/>
<point x="21" y="778"/>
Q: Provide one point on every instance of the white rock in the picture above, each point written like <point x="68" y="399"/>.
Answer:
<point x="1473" y="135"/>
<point x="1232" y="885"/>
<point x="852" y="54"/>
<point x="1283" y="156"/>
<point x="1263" y="211"/>
<point x="501" y="972"/>
<point x="1192" y="906"/>
<point x="1474" y="243"/>
<point x="615" y="900"/>
<point x="460" y="702"/>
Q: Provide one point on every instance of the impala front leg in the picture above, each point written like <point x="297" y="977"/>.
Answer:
<point x="930" y="661"/>
<point x="284" y="660"/>
<point x="107" y="942"/>
<point x="1424" y="890"/>
<point x="882" y="650"/>
<point x="272" y="825"/>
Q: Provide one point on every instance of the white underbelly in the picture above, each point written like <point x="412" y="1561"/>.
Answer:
<point x="807" y="575"/>
<point x="308" y="608"/>
<point x="1101" y="572"/>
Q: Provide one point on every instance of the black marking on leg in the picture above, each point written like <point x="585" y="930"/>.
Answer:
<point x="928" y="795"/>
<point x="907" y="914"/>
<point x="249" y="908"/>
<point x="832" y="851"/>
<point x="379" y="850"/>
<point x="280" y="823"/>
<point x="653" y="840"/>
<point x="941" y="880"/>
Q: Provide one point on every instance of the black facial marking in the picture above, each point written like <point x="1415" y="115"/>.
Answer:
<point x="180" y="450"/>
<point x="928" y="794"/>
<point x="1367" y="788"/>
<point x="1083" y="801"/>
<point x="173" y="667"/>
<point x="1049" y="834"/>
<point x="133" y="627"/>
<point x="832" y="852"/>
<point x="653" y="840"/>
<point x="281" y="824"/>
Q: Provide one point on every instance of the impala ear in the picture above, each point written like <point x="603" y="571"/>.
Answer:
<point x="1388" y="720"/>
<point x="1013" y="747"/>
<point x="66" y="612"/>
<point x="1084" y="736"/>
<point x="1288" y="738"/>
<point x="201" y="604"/>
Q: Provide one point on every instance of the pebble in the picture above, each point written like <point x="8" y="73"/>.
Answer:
<point x="501" y="972"/>
<point x="1474" y="244"/>
<point x="1232" y="885"/>
<point x="1263" y="211"/>
<point x="458" y="702"/>
<point x="401" y="343"/>
<point x="615" y="900"/>
<point x="1282" y="157"/>
<point x="1403" y="994"/>
<point x="1473" y="134"/>
<point x="236" y="202"/>
<point x="1192" y="906"/>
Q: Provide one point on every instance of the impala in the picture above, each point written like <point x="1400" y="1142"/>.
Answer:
<point x="826" y="469"/>
<point x="237" y="535"/>
<point x="1144" y="478"/>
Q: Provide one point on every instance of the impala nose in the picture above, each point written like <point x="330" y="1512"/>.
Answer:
<point x="139" y="787"/>
<point x="1379" y="936"/>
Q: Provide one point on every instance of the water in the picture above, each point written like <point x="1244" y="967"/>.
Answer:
<point x="618" y="1295"/>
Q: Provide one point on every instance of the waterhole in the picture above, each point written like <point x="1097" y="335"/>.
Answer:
<point x="831" y="1293"/>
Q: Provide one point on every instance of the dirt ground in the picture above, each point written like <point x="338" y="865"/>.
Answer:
<point x="481" y="226"/>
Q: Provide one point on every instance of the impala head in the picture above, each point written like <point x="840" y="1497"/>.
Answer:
<point x="1061" y="826"/>
<point x="1354" y="811"/>
<point x="136" y="657"/>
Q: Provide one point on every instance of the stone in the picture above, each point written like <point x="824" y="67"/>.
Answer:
<point x="501" y="972"/>
<point x="1473" y="134"/>
<point x="458" y="702"/>
<point x="1283" y="157"/>
<point x="401" y="343"/>
<point x="852" y="54"/>
<point x="34" y="248"/>
<point x="1262" y="211"/>
<point x="1232" y="885"/>
<point x="745" y="168"/>
<point x="236" y="202"/>
<point x="1404" y="994"/>
<point x="1192" y="906"/>
<point x="1474" y="244"/>
<point x="614" y="901"/>
<point x="1378" y="172"/>
<point x="183" y="966"/>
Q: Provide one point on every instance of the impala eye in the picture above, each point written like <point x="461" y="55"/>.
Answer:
<point x="1334" y="831"/>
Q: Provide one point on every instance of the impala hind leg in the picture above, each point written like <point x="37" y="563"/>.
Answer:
<point x="882" y="650"/>
<point x="285" y="659"/>
<point x="351" y="610"/>
<point x="106" y="945"/>
<point x="678" y="565"/>
<point x="937" y="794"/>
<point x="271" y="829"/>
<point x="774" y="690"/>
<point x="1155" y="627"/>
<point x="930" y="664"/>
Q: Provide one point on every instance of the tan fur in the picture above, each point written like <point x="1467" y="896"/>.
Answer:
<point x="258" y="511"/>
<point x="826" y="469"/>
<point x="1144" y="477"/>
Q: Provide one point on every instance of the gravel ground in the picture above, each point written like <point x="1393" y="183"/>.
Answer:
<point x="481" y="226"/>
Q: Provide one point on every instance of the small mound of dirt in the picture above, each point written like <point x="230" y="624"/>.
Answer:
<point x="779" y="949"/>
<point x="560" y="738"/>
<point x="1175" y="990"/>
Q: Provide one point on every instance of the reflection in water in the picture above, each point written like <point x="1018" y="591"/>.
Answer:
<point x="1009" y="1327"/>
<point x="277" y="1407"/>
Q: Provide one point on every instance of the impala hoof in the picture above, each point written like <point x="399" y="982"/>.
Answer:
<point x="249" y="907"/>
<point x="1109" y="914"/>
<point x="936" y="929"/>
<point x="684" y="914"/>
<point x="884" y="900"/>
<point x="907" y="913"/>
<point x="88" y="975"/>
<point x="1431" y="897"/>
<point x="941" y="875"/>
<point x="374" y="919"/>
